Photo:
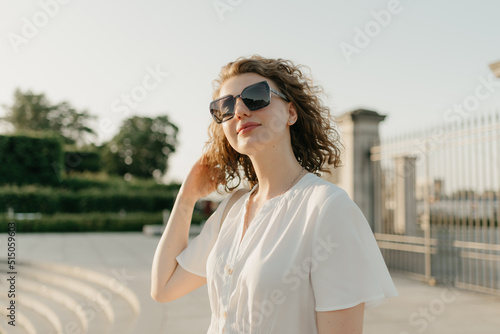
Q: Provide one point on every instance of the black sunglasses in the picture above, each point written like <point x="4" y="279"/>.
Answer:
<point x="255" y="97"/>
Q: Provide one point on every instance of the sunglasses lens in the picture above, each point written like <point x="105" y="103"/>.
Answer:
<point x="227" y="108"/>
<point x="256" y="96"/>
<point x="222" y="110"/>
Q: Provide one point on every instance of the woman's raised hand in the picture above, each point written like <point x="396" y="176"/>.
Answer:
<point x="201" y="181"/>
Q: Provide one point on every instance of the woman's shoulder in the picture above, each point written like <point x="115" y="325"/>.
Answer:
<point x="322" y="190"/>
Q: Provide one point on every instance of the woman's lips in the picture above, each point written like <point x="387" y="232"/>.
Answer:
<point x="248" y="129"/>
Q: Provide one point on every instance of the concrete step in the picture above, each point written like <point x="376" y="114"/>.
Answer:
<point x="49" y="321"/>
<point x="80" y="289"/>
<point x="118" y="303"/>
<point x="56" y="300"/>
<point x="90" y="276"/>
<point x="25" y="323"/>
<point x="59" y="299"/>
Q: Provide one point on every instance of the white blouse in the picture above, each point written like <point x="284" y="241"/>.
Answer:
<point x="309" y="249"/>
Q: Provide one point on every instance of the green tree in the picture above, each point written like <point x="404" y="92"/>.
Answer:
<point x="142" y="147"/>
<point x="34" y="112"/>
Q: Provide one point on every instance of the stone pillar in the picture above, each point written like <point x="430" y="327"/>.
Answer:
<point x="405" y="212"/>
<point x="359" y="131"/>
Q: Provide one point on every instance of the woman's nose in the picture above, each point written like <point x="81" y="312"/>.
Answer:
<point x="240" y="109"/>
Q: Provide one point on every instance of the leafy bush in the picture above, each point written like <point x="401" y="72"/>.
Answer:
<point x="30" y="160"/>
<point x="89" y="222"/>
<point x="50" y="200"/>
<point x="29" y="199"/>
<point x="79" y="181"/>
<point x="96" y="222"/>
<point x="81" y="161"/>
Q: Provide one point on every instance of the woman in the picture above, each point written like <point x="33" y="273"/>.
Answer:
<point x="292" y="255"/>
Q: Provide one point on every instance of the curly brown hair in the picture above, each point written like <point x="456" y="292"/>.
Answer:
<point x="315" y="141"/>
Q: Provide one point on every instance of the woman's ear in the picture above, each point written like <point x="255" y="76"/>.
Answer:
<point x="292" y="113"/>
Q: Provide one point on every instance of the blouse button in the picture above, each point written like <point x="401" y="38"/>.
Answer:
<point x="228" y="269"/>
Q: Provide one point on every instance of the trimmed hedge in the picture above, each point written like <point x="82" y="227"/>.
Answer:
<point x="29" y="199"/>
<point x="81" y="181"/>
<point x="48" y="200"/>
<point x="105" y="201"/>
<point x="30" y="160"/>
<point x="85" y="222"/>
<point x="81" y="161"/>
<point x="89" y="222"/>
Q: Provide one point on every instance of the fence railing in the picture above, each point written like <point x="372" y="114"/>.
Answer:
<point x="437" y="209"/>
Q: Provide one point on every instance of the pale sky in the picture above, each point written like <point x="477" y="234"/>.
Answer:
<point x="412" y="66"/>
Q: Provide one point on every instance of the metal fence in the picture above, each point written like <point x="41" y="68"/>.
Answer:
<point x="437" y="209"/>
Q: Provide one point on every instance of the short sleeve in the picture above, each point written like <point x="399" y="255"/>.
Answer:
<point x="349" y="267"/>
<point x="194" y="257"/>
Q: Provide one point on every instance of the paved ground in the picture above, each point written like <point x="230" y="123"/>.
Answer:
<point x="127" y="258"/>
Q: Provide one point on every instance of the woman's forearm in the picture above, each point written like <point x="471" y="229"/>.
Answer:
<point x="173" y="241"/>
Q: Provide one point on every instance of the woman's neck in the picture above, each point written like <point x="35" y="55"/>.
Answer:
<point x="277" y="169"/>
